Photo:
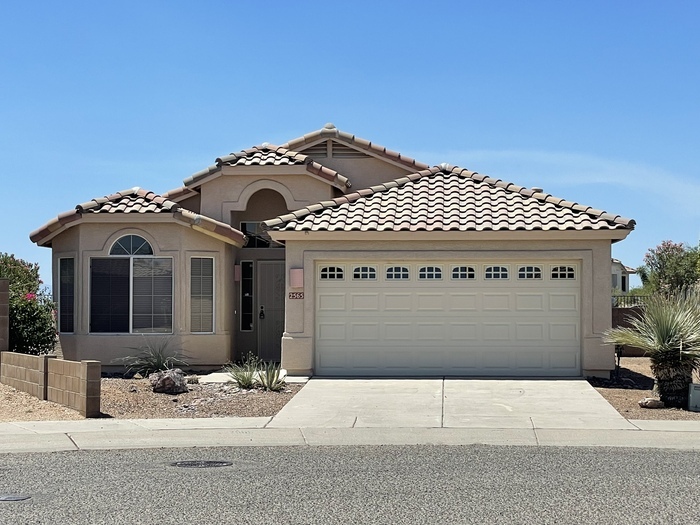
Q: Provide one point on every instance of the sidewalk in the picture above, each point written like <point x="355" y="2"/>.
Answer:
<point x="101" y="434"/>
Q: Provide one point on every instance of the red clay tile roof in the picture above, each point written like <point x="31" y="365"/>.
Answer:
<point x="447" y="198"/>
<point x="137" y="201"/>
<point x="330" y="131"/>
<point x="270" y="155"/>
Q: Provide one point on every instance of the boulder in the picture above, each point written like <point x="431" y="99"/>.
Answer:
<point x="650" y="402"/>
<point x="169" y="381"/>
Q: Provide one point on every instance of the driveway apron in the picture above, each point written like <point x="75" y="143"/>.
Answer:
<point x="449" y="403"/>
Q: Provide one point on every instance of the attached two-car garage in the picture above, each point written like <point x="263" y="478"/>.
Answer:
<point x="451" y="317"/>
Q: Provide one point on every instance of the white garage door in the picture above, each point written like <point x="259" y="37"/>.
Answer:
<point x="448" y="318"/>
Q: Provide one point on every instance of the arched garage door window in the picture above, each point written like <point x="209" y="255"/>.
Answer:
<point x="131" y="291"/>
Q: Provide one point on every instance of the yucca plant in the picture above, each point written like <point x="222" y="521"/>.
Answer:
<point x="668" y="330"/>
<point x="245" y="373"/>
<point x="153" y="355"/>
<point x="270" y="377"/>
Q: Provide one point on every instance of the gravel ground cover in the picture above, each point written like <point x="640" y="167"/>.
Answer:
<point x="134" y="399"/>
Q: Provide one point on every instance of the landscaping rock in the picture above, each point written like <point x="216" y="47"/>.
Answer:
<point x="169" y="381"/>
<point x="650" y="402"/>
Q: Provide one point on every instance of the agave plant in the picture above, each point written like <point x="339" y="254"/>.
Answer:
<point x="668" y="330"/>
<point x="153" y="355"/>
<point x="244" y="373"/>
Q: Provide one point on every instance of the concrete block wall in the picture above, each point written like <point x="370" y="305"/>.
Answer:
<point x="4" y="315"/>
<point x="27" y="373"/>
<point x="70" y="383"/>
<point x="75" y="384"/>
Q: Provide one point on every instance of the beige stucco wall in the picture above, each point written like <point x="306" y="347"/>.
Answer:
<point x="366" y="172"/>
<point x="168" y="239"/>
<point x="231" y="192"/>
<point x="593" y="256"/>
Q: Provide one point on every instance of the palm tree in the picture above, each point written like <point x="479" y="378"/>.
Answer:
<point x="668" y="330"/>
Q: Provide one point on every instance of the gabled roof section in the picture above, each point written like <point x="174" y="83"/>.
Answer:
<point x="269" y="155"/>
<point x="329" y="131"/>
<point x="448" y="198"/>
<point x="136" y="201"/>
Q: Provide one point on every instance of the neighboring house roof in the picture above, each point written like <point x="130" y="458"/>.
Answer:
<point x="627" y="269"/>
<point x="329" y="131"/>
<point x="447" y="198"/>
<point x="270" y="155"/>
<point x="136" y="201"/>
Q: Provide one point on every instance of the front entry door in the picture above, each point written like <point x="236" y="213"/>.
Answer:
<point x="271" y="287"/>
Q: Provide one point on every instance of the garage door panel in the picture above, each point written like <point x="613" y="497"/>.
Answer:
<point x="494" y="302"/>
<point x="564" y="332"/>
<point x="428" y="302"/>
<point x="364" y="331"/>
<point x="397" y="302"/>
<point x="431" y="331"/>
<point x="398" y="332"/>
<point x="456" y="327"/>
<point x="360" y="302"/>
<point x="563" y="302"/>
<point x="329" y="302"/>
<point x="530" y="331"/>
<point x="497" y="331"/>
<point x="331" y="332"/>
<point x="463" y="332"/>
<point x="529" y="302"/>
<point x="462" y="302"/>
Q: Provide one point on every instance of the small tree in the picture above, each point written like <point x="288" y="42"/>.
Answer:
<point x="668" y="330"/>
<point x="670" y="267"/>
<point x="32" y="311"/>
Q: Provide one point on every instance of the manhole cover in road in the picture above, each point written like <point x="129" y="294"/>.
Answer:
<point x="13" y="497"/>
<point x="201" y="464"/>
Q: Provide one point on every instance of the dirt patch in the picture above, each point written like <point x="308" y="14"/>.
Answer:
<point x="134" y="399"/>
<point x="636" y="382"/>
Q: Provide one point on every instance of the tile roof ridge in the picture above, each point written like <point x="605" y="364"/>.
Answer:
<point x="330" y="131"/>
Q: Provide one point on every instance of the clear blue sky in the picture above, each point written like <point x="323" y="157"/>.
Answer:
<point x="596" y="102"/>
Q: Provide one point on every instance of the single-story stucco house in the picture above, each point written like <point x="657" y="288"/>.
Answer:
<point x="340" y="257"/>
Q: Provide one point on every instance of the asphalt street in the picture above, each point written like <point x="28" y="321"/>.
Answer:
<point x="351" y="484"/>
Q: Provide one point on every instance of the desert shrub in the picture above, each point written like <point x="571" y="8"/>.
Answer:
<point x="153" y="355"/>
<point x="270" y="377"/>
<point x="32" y="313"/>
<point x="244" y="373"/>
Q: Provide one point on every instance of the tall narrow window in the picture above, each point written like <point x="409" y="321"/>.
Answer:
<point x="247" y="296"/>
<point x="202" y="294"/>
<point x="131" y="291"/>
<point x="66" y="295"/>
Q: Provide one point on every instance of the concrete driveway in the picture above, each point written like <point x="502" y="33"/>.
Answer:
<point x="449" y="403"/>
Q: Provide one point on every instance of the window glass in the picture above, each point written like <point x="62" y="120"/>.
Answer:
<point x="397" y="272"/>
<point x="247" y="313"/>
<point x="257" y="237"/>
<point x="131" y="245"/>
<point x="129" y="292"/>
<point x="364" y="273"/>
<point x="332" y="273"/>
<point x="66" y="295"/>
<point x="529" y="272"/>
<point x="496" y="272"/>
<point x="463" y="272"/>
<point x="202" y="294"/>
<point x="430" y="272"/>
<point x="563" y="272"/>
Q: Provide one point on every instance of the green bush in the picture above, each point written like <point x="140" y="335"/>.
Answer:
<point x="269" y="377"/>
<point x="32" y="311"/>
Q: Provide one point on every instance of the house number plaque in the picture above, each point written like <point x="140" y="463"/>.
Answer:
<point x="296" y="295"/>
